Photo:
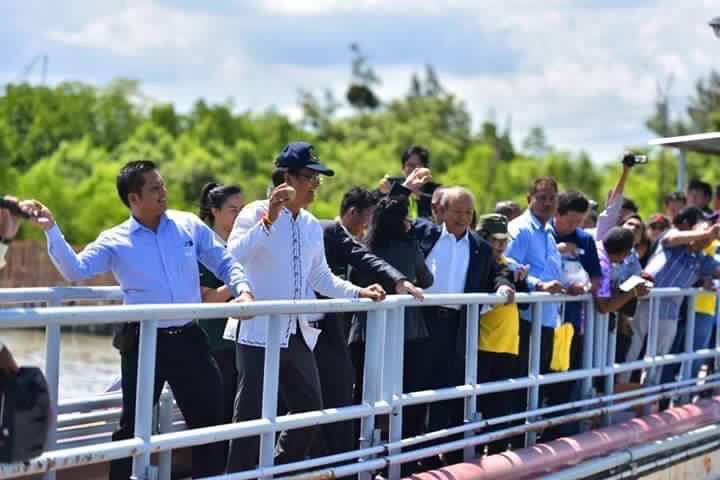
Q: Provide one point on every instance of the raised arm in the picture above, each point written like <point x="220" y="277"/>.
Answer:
<point x="676" y="238"/>
<point x="95" y="259"/>
<point x="609" y="217"/>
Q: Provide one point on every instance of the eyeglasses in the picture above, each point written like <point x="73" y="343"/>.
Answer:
<point x="314" y="178"/>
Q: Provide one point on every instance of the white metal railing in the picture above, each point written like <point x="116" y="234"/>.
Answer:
<point x="382" y="383"/>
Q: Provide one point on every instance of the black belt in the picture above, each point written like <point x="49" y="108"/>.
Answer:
<point x="175" y="330"/>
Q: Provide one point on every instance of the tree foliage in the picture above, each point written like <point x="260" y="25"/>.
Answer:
<point x="64" y="145"/>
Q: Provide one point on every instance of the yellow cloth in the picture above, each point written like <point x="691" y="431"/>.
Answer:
<point x="706" y="302"/>
<point x="561" y="347"/>
<point x="500" y="330"/>
<point x="413" y="207"/>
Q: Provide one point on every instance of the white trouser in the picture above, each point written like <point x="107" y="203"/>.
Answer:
<point x="666" y="330"/>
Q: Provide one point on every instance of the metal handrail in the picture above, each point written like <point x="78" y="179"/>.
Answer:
<point x="383" y="392"/>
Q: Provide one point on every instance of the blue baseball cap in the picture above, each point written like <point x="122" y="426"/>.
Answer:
<point x="301" y="155"/>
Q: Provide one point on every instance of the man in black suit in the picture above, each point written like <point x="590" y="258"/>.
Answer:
<point x="461" y="262"/>
<point x="343" y="252"/>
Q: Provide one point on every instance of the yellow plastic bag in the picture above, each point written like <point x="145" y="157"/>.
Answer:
<point x="561" y="347"/>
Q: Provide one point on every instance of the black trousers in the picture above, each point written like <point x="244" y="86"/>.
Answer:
<point x="183" y="360"/>
<point x="447" y="369"/>
<point x="299" y="390"/>
<point x="554" y="393"/>
<point x="493" y="367"/>
<point x="337" y="377"/>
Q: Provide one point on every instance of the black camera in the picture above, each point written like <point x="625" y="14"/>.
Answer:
<point x="630" y="159"/>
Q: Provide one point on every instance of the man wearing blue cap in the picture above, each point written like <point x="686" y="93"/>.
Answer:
<point x="281" y="246"/>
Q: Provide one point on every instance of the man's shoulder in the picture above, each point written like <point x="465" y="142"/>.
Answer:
<point x="183" y="217"/>
<point x="119" y="231"/>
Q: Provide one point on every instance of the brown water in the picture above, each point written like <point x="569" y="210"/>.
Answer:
<point x="88" y="363"/>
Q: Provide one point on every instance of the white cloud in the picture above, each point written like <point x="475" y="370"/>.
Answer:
<point x="140" y="27"/>
<point x="586" y="71"/>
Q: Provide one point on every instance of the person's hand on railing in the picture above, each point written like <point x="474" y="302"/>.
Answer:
<point x="553" y="286"/>
<point x="244" y="297"/>
<point x="406" y="287"/>
<point x="40" y="215"/>
<point x="374" y="292"/>
<point x="506" y="291"/>
<point x="577" y="289"/>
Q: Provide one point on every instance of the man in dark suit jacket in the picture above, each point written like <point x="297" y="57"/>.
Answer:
<point x="461" y="262"/>
<point x="331" y="351"/>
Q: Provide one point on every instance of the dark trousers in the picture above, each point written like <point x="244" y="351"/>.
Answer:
<point x="299" y="390"/>
<point x="493" y="367"/>
<point x="225" y="360"/>
<point x="337" y="376"/>
<point x="183" y="360"/>
<point x="554" y="393"/>
<point x="447" y="370"/>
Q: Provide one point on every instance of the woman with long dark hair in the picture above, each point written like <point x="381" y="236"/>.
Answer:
<point x="388" y="238"/>
<point x="219" y="206"/>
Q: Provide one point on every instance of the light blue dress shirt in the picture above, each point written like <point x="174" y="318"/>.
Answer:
<point x="533" y="244"/>
<point x="151" y="267"/>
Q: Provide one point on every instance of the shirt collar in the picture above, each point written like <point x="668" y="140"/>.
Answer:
<point x="135" y="225"/>
<point x="445" y="233"/>
<point x="537" y="224"/>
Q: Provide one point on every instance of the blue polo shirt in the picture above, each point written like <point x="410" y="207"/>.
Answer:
<point x="588" y="256"/>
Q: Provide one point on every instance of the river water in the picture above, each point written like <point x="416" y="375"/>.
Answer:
<point x="88" y="363"/>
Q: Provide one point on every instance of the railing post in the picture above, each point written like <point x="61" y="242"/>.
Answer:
<point x="686" y="366"/>
<point x="471" y="371"/>
<point x="393" y="378"/>
<point x="588" y="350"/>
<point x="374" y="363"/>
<point x="52" y="372"/>
<point x="534" y="368"/>
<point x="271" y="380"/>
<point x="165" y="411"/>
<point x="651" y="345"/>
<point x="144" y="396"/>
<point x="608" y="347"/>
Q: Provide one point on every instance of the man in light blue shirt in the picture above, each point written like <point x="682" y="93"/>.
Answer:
<point x="154" y="257"/>
<point x="532" y="243"/>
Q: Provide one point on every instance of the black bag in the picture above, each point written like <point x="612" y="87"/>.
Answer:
<point x="24" y="415"/>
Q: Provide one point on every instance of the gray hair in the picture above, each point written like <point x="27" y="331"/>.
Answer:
<point x="456" y="192"/>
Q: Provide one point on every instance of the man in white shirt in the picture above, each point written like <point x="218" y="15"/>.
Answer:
<point x="461" y="262"/>
<point x="281" y="246"/>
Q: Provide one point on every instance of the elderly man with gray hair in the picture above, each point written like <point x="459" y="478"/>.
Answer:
<point x="461" y="262"/>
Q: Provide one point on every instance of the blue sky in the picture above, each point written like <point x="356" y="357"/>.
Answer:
<point x="585" y="70"/>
